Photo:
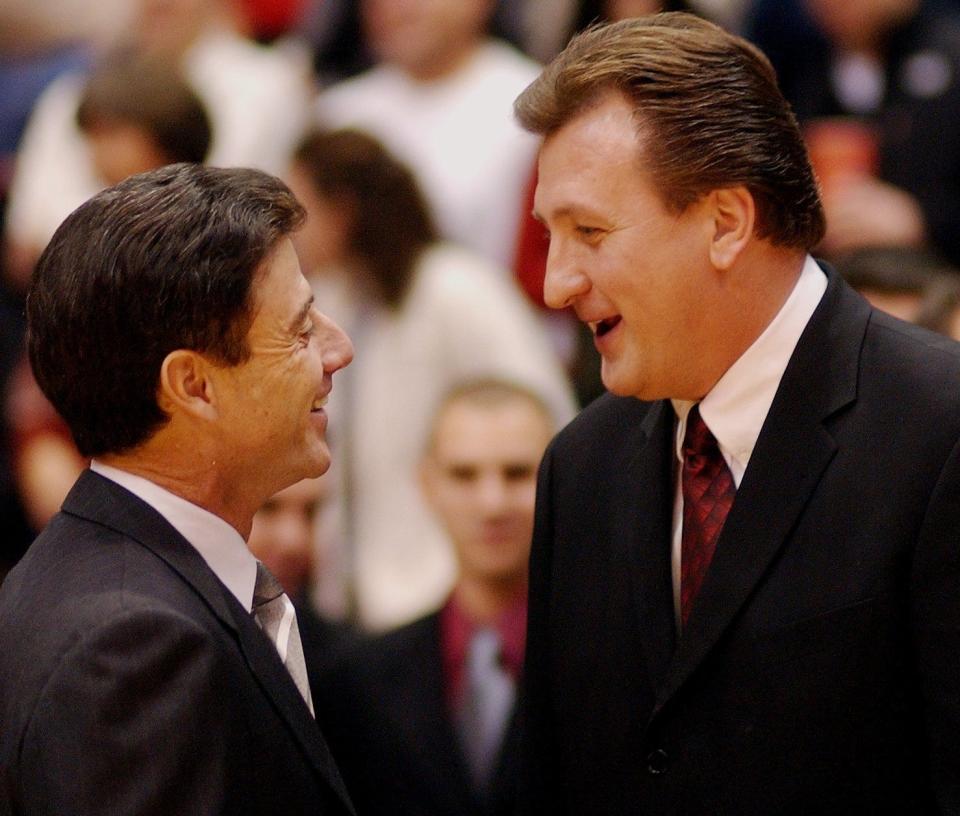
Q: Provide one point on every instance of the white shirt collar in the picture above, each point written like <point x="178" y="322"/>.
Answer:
<point x="736" y="407"/>
<point x="219" y="544"/>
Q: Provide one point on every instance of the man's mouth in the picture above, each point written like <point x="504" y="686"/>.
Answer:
<point x="606" y="325"/>
<point x="318" y="404"/>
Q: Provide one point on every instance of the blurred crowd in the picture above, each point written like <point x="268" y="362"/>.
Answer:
<point x="392" y="122"/>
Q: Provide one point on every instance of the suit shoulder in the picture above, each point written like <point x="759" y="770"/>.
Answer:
<point x="910" y="358"/>
<point x="382" y="652"/>
<point x="603" y="422"/>
<point x="376" y="666"/>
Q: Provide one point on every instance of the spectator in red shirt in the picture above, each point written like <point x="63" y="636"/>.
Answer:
<point x="418" y="721"/>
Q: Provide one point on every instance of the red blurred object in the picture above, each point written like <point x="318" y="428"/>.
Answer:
<point x="530" y="262"/>
<point x="841" y="149"/>
<point x="268" y="19"/>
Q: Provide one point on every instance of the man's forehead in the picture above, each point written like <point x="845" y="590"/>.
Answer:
<point x="510" y="422"/>
<point x="603" y="141"/>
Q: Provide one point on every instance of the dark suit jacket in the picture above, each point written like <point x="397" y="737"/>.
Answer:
<point x="323" y="641"/>
<point x="131" y="680"/>
<point x="819" y="672"/>
<point x="386" y="717"/>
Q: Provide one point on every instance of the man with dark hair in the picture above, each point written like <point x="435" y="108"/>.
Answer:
<point x="148" y="663"/>
<point x="746" y="560"/>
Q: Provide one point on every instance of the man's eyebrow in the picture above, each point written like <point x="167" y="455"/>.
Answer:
<point x="560" y="212"/>
<point x="297" y="322"/>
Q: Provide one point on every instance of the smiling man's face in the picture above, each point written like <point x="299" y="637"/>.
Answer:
<point x="270" y="408"/>
<point x="637" y="273"/>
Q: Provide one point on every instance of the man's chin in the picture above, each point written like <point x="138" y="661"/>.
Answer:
<point x="314" y="466"/>
<point x="619" y="385"/>
<point x="632" y="384"/>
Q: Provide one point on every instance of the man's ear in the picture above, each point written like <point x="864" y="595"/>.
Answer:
<point x="186" y="385"/>
<point x="734" y="217"/>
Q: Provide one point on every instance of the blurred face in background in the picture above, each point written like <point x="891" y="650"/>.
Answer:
<point x="323" y="241"/>
<point x="624" y="9"/>
<point x="171" y="26"/>
<point x="122" y="149"/>
<point x="425" y="38"/>
<point x="283" y="533"/>
<point x="479" y="477"/>
<point x="859" y="24"/>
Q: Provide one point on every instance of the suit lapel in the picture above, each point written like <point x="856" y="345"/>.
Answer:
<point x="98" y="499"/>
<point x="106" y="503"/>
<point x="792" y="452"/>
<point x="279" y="688"/>
<point x="645" y="521"/>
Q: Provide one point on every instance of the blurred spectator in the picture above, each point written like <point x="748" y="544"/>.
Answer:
<point x="543" y="27"/>
<point x="876" y="84"/>
<point x="23" y="76"/>
<point x="593" y="11"/>
<point x="33" y="27"/>
<point x="255" y="97"/>
<point x="441" y="100"/>
<point x="911" y="284"/>
<point x="44" y="460"/>
<point x="940" y="311"/>
<point x="284" y="537"/>
<point x="135" y="114"/>
<point x="332" y="29"/>
<point x="422" y="315"/>
<point x="419" y="723"/>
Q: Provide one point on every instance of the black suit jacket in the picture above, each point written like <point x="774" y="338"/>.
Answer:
<point x="385" y="714"/>
<point x="819" y="672"/>
<point x="131" y="680"/>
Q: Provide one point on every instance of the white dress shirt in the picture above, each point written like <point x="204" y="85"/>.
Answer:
<point x="219" y="544"/>
<point x="736" y="407"/>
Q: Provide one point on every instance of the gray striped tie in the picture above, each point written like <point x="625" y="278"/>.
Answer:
<point x="274" y="613"/>
<point x="488" y="701"/>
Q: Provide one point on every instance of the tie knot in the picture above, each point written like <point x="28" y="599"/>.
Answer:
<point x="698" y="440"/>
<point x="267" y="588"/>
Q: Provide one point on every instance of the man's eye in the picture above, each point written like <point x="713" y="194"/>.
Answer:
<point x="462" y="473"/>
<point x="588" y="232"/>
<point x="518" y="473"/>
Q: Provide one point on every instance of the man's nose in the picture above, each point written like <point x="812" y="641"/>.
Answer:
<point x="564" y="281"/>
<point x="337" y="348"/>
<point x="492" y="493"/>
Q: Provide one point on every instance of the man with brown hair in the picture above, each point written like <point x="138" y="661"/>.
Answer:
<point x="744" y="577"/>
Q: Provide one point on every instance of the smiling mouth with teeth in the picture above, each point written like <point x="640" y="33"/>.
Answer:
<point x="606" y="325"/>
<point x="318" y="404"/>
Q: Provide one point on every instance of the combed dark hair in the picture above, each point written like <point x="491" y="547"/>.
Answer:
<point x="391" y="222"/>
<point x="708" y="111"/>
<point x="149" y="93"/>
<point x="164" y="260"/>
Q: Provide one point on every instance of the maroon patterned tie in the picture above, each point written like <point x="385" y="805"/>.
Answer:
<point x="708" y="491"/>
